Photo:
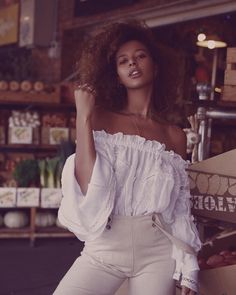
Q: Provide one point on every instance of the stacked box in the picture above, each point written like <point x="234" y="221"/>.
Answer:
<point x="229" y="89"/>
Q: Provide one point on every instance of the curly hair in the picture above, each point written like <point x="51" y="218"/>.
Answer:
<point x="97" y="65"/>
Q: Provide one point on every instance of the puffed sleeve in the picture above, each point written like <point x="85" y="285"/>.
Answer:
<point x="184" y="229"/>
<point x="86" y="215"/>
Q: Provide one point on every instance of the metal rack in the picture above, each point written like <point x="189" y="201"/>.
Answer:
<point x="205" y="115"/>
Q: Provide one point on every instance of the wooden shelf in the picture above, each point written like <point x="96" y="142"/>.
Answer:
<point x="33" y="232"/>
<point x="28" y="147"/>
<point x="52" y="231"/>
<point x="7" y="233"/>
<point x="21" y="105"/>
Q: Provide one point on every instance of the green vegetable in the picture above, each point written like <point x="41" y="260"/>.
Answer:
<point x="51" y="170"/>
<point x="26" y="173"/>
<point x="43" y="172"/>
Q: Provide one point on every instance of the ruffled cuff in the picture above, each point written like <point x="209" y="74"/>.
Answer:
<point x="190" y="264"/>
<point x="86" y="215"/>
<point x="186" y="271"/>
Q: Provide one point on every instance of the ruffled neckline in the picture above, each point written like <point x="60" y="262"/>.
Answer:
<point x="136" y="141"/>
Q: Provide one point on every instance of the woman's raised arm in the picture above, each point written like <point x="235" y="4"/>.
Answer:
<point x="85" y="150"/>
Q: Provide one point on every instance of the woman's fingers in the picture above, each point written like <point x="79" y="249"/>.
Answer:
<point x="84" y="100"/>
<point x="186" y="291"/>
<point x="85" y="87"/>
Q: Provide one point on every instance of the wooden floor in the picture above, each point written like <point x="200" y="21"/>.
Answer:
<point x="27" y="270"/>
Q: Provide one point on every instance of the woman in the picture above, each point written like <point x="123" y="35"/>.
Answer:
<point x="125" y="189"/>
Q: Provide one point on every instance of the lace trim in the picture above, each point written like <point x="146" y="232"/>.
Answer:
<point x="137" y="142"/>
<point x="189" y="281"/>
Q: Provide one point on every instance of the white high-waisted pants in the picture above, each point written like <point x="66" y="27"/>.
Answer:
<point x="130" y="247"/>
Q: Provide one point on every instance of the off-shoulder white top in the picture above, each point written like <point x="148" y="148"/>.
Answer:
<point x="132" y="176"/>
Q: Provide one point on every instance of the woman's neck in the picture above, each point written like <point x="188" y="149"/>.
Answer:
<point x="138" y="102"/>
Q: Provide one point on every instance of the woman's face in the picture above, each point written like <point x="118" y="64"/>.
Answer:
<point x="135" y="66"/>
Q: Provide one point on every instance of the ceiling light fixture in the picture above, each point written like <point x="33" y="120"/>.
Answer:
<point x="211" y="42"/>
<point x="201" y="37"/>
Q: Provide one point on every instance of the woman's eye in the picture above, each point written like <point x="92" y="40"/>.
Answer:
<point x="122" y="61"/>
<point x="141" y="56"/>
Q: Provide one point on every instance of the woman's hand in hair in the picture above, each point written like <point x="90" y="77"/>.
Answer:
<point x="84" y="100"/>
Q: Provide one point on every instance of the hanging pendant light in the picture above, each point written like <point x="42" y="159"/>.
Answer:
<point x="211" y="42"/>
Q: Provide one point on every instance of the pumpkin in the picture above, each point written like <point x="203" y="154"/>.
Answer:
<point x="16" y="219"/>
<point x="26" y="85"/>
<point x="4" y="85"/>
<point x="14" y="85"/>
<point x="44" y="219"/>
<point x="38" y="86"/>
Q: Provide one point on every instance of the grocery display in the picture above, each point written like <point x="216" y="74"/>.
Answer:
<point x="34" y="140"/>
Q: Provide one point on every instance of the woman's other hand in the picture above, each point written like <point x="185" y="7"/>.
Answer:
<point x="84" y="100"/>
<point x="186" y="291"/>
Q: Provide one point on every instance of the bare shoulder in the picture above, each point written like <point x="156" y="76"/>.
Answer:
<point x="178" y="139"/>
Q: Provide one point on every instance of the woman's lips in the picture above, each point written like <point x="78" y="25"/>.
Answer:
<point x="135" y="74"/>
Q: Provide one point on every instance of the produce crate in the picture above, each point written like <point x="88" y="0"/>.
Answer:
<point x="27" y="197"/>
<point x="213" y="187"/>
<point x="51" y="197"/>
<point x="54" y="135"/>
<point x="7" y="197"/>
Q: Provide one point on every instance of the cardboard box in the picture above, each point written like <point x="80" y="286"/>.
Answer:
<point x="231" y="55"/>
<point x="228" y="93"/>
<point x="213" y="187"/>
<point x="7" y="197"/>
<point x="51" y="197"/>
<point x="27" y="197"/>
<point x="218" y="281"/>
<point x="230" y="77"/>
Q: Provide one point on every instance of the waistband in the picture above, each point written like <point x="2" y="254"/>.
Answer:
<point x="131" y="217"/>
<point x="157" y="221"/>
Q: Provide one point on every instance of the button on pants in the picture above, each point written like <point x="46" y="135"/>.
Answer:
<point x="132" y="248"/>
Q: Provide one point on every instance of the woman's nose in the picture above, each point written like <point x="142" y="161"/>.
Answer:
<point x="132" y="62"/>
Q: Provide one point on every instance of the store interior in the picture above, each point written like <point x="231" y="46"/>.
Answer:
<point x="36" y="98"/>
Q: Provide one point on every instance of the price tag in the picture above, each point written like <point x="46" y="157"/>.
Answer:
<point x="21" y="134"/>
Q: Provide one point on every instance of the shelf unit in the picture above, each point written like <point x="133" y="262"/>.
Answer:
<point x="33" y="232"/>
